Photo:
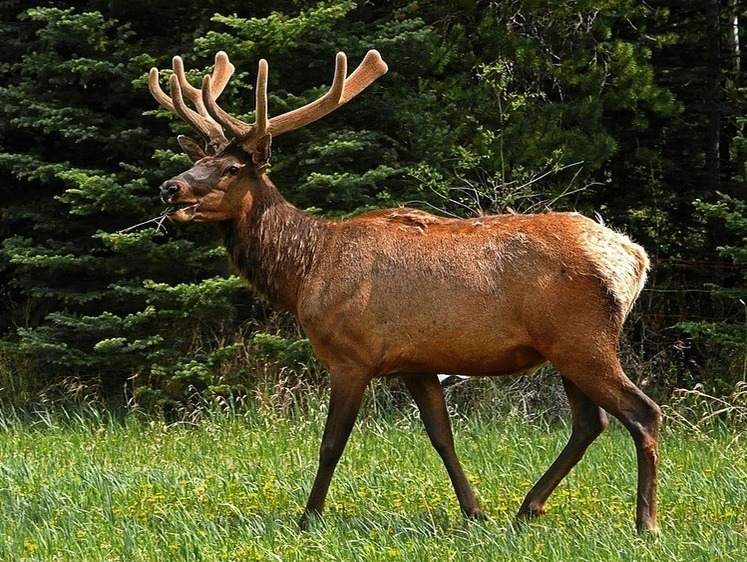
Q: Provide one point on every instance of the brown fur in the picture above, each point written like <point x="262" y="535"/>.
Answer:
<point x="403" y="292"/>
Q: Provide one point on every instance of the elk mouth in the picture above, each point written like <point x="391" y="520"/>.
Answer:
<point x="181" y="212"/>
<point x="170" y="213"/>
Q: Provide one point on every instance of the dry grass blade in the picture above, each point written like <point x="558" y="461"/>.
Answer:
<point x="695" y="408"/>
<point x="158" y="220"/>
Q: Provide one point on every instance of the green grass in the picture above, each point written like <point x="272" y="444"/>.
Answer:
<point x="232" y="488"/>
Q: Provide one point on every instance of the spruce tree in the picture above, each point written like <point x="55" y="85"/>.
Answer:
<point x="85" y="304"/>
<point x="486" y="106"/>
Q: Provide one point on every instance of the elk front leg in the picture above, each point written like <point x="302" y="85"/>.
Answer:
<point x="345" y="401"/>
<point x="429" y="396"/>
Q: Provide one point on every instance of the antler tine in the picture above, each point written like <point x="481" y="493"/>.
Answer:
<point x="222" y="73"/>
<point x="187" y="89"/>
<point x="208" y="128"/>
<point x="157" y="92"/>
<point x="199" y="120"/>
<point x="236" y="127"/>
<point x="342" y="90"/>
<point x="371" y="67"/>
<point x="260" y="111"/>
<point x="338" y="82"/>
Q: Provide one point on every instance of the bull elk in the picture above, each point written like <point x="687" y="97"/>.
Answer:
<point x="403" y="292"/>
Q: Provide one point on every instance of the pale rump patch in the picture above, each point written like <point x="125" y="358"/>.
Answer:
<point x="621" y="264"/>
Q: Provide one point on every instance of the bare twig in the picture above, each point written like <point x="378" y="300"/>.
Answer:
<point x="159" y="220"/>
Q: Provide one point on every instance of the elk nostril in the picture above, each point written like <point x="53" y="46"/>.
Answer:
<point x="168" y="190"/>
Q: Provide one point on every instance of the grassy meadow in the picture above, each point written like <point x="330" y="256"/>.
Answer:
<point x="231" y="487"/>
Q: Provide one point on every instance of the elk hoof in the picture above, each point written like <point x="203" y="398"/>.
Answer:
<point x="527" y="512"/>
<point x="653" y="531"/>
<point x="476" y="514"/>
<point x="307" y="519"/>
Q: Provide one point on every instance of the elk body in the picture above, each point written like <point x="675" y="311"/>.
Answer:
<point x="403" y="292"/>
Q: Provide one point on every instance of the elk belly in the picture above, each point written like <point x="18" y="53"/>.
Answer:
<point x="487" y="358"/>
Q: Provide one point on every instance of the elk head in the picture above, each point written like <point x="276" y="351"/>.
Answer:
<point x="227" y="171"/>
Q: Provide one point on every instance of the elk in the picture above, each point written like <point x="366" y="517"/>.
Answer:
<point x="401" y="292"/>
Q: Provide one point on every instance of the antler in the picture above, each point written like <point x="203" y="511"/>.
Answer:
<point x="210" y="119"/>
<point x="342" y="90"/>
<point x="199" y="120"/>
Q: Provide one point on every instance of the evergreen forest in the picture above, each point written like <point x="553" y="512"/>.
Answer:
<point x="632" y="112"/>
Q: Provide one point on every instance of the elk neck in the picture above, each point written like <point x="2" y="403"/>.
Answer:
<point x="273" y="245"/>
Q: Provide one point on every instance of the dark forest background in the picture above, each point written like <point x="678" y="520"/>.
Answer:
<point x="632" y="111"/>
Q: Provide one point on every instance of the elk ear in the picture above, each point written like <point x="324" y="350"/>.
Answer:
<point x="191" y="147"/>
<point x="261" y="151"/>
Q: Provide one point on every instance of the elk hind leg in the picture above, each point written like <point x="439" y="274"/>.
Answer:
<point x="429" y="397"/>
<point x="588" y="420"/>
<point x="606" y="385"/>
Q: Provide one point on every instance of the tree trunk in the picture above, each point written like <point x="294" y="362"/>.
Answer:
<point x="713" y="95"/>
<point x="732" y="37"/>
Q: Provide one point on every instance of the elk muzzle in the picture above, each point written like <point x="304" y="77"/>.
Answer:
<point x="170" y="189"/>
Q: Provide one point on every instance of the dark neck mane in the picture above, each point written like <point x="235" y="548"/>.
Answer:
<point x="273" y="247"/>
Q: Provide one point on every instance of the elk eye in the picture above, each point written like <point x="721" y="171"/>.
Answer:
<point x="232" y="170"/>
